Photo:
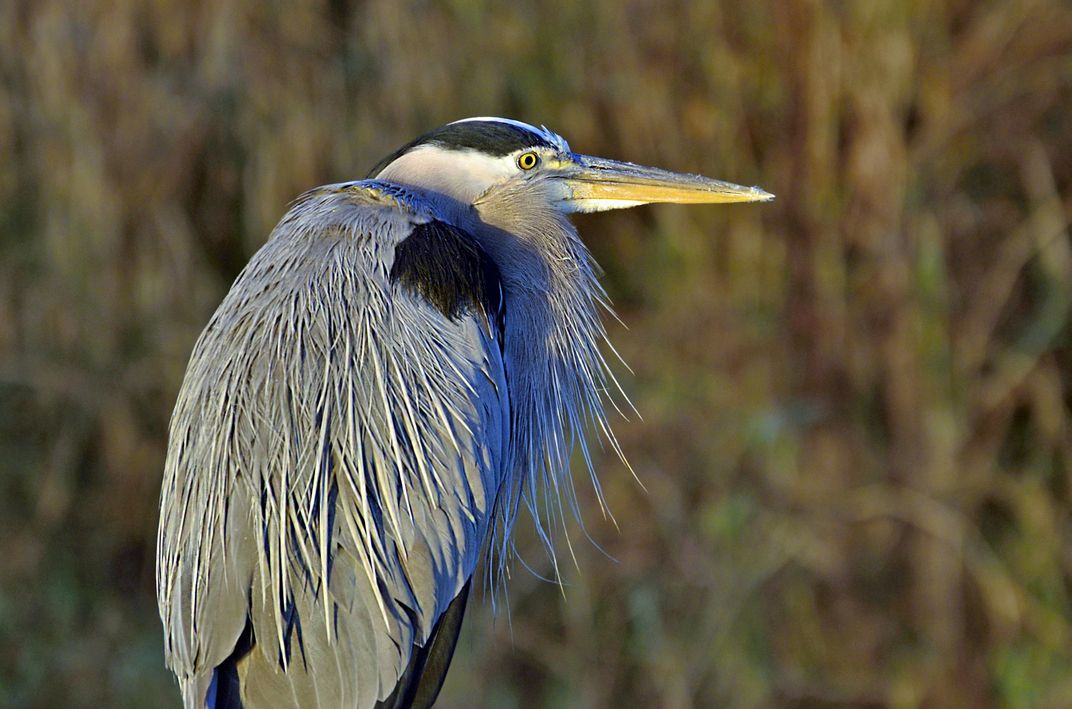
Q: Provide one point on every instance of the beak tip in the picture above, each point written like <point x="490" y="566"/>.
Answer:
<point x="761" y="195"/>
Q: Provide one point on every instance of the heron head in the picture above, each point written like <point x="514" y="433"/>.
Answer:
<point x="497" y="161"/>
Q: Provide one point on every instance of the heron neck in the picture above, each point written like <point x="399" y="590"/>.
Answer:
<point x="555" y="371"/>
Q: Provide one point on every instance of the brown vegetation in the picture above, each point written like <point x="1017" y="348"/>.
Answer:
<point x="856" y="400"/>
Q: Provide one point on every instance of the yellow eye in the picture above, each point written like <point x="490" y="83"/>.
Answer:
<point x="527" y="161"/>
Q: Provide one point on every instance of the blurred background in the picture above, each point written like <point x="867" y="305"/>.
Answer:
<point x="856" y="400"/>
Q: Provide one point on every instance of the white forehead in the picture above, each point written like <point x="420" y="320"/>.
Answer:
<point x="550" y="136"/>
<point x="461" y="174"/>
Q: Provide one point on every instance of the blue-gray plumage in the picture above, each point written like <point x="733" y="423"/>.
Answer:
<point x="407" y="362"/>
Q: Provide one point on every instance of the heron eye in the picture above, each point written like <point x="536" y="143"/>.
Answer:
<point x="527" y="161"/>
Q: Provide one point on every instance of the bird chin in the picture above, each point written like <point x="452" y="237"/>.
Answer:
<point x="598" y="205"/>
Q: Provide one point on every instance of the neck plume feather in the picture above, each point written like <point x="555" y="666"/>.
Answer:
<point x="557" y="374"/>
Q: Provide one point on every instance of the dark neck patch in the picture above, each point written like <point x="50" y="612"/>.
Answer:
<point x="448" y="268"/>
<point x="489" y="137"/>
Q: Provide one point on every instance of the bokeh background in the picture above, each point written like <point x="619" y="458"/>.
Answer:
<point x="856" y="400"/>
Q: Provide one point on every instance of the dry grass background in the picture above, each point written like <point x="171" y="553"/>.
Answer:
<point x="856" y="400"/>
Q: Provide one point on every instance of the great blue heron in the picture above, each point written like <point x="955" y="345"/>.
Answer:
<point x="399" y="369"/>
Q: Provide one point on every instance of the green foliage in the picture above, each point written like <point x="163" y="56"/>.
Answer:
<point x="856" y="400"/>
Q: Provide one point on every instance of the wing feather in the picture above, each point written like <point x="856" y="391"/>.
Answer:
<point x="335" y="454"/>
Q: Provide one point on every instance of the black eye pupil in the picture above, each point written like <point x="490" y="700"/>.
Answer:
<point x="528" y="161"/>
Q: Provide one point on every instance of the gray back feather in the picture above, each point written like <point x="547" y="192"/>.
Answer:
<point x="335" y="456"/>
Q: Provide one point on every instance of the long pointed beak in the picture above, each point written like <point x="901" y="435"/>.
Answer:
<point x="597" y="184"/>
